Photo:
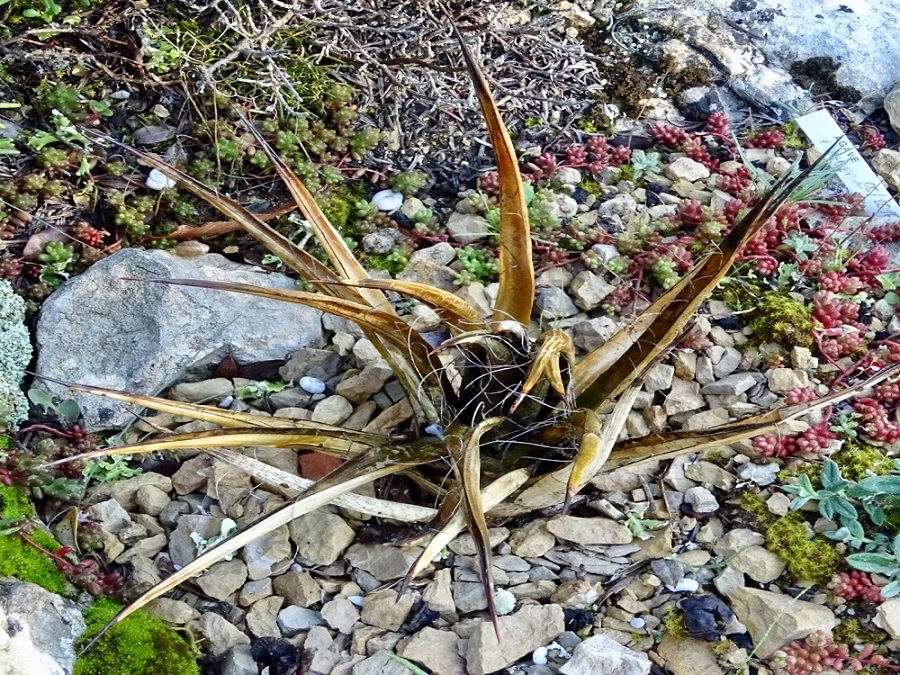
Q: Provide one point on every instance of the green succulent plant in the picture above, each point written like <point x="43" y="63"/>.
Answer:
<point x="513" y="420"/>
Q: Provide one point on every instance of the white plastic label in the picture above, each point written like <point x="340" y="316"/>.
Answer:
<point x="853" y="171"/>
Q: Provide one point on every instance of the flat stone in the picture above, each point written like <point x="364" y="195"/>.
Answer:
<point x="382" y="562"/>
<point x="551" y="304"/>
<point x="438" y="594"/>
<point x="686" y="656"/>
<point x="151" y="500"/>
<point x="520" y="634"/>
<point x="888" y="617"/>
<point x="293" y="619"/>
<point x="532" y="540"/>
<point x="266" y="554"/>
<point x="125" y="491"/>
<point x="702" y="500"/>
<point x="298" y="587"/>
<point x="737" y="540"/>
<point x="253" y="591"/>
<point x="321" y="537"/>
<point x="386" y="609"/>
<point x="437" y="650"/>
<point x="774" y="619"/>
<point x="219" y="634"/>
<point x="171" y="611"/>
<point x="261" y="617"/>
<point x="589" y="530"/>
<point x="758" y="563"/>
<point x="601" y="655"/>
<point x="467" y="227"/>
<point x="332" y="410"/>
<point x="658" y="377"/>
<point x="683" y="397"/>
<point x="380" y="663"/>
<point x="39" y="630"/>
<point x="710" y="474"/>
<point x="341" y="615"/>
<point x="782" y="380"/>
<point x="322" y="364"/>
<point x="732" y="385"/>
<point x="223" y="579"/>
<point x="239" y="661"/>
<point x="159" y="329"/>
<point x="440" y="254"/>
<point x="465" y="545"/>
<point x="357" y="388"/>
<point x="468" y="596"/>
<point x="687" y="169"/>
<point x="589" y="290"/>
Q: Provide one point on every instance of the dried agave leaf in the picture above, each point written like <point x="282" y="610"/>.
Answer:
<point x="274" y="476"/>
<point x="637" y="451"/>
<point x="516" y="296"/>
<point x="453" y="310"/>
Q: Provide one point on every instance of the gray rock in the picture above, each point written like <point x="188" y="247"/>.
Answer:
<point x="589" y="290"/>
<point x="687" y="169"/>
<point x="589" y="530"/>
<point x="683" y="397"/>
<point x="293" y="620"/>
<point x="758" y="563"/>
<point x="468" y="596"/>
<point x="380" y="664"/>
<point x="888" y="617"/>
<point x="725" y="360"/>
<point x="701" y="500"/>
<point x="520" y="634"/>
<point x="182" y="548"/>
<point x="357" y="388"/>
<point x="321" y="537"/>
<point x="381" y="241"/>
<point x="39" y="630"/>
<point x="261" y="617"/>
<point x="239" y="662"/>
<point x="219" y="634"/>
<point x="623" y="206"/>
<point x="782" y="380"/>
<point x="171" y="611"/>
<point x="382" y="562"/>
<point x="658" y="377"/>
<point x="437" y="650"/>
<point x="467" y="227"/>
<point x="125" y="491"/>
<point x="223" y="579"/>
<point x="156" y="330"/>
<point x="562" y="206"/>
<point x="567" y="175"/>
<point x="387" y="609"/>
<point x="732" y="385"/>
<point x="204" y="391"/>
<point x="253" y="591"/>
<point x="340" y="614"/>
<point x="332" y="410"/>
<point x="886" y="163"/>
<point x="298" y="587"/>
<point x="892" y="107"/>
<point x="551" y="304"/>
<point x="319" y="363"/>
<point x="265" y="554"/>
<point x="601" y="655"/>
<point x="440" y="254"/>
<point x="774" y="619"/>
<point x="431" y="274"/>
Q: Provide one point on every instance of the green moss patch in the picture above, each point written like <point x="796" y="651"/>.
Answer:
<point x="18" y="559"/>
<point x="807" y="560"/>
<point x="780" y="318"/>
<point x="140" y="645"/>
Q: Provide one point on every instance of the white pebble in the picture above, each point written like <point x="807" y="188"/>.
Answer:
<point x="686" y="586"/>
<point x="504" y="601"/>
<point x="120" y="95"/>
<point x="387" y="200"/>
<point x="357" y="600"/>
<point x="539" y="658"/>
<point x="158" y="181"/>
<point x="226" y="402"/>
<point x="637" y="622"/>
<point x="312" y="385"/>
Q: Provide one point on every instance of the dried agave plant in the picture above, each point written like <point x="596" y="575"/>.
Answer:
<point x="493" y="408"/>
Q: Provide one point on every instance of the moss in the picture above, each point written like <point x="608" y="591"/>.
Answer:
<point x="140" y="645"/>
<point x="756" y="506"/>
<point x="851" y="631"/>
<point x="18" y="559"/>
<point x="674" y="623"/>
<point x="779" y="318"/>
<point x="858" y="460"/>
<point x="808" y="560"/>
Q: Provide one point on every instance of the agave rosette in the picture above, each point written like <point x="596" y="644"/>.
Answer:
<point x="490" y="404"/>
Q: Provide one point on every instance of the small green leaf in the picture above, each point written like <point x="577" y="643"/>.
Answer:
<point x="891" y="589"/>
<point x="873" y="562"/>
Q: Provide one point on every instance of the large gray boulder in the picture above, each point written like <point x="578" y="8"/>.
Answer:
<point x="732" y="35"/>
<point x="39" y="630"/>
<point x="102" y="329"/>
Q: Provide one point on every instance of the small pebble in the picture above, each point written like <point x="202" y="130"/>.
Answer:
<point x="387" y="200"/>
<point x="686" y="586"/>
<point x="539" y="658"/>
<point x="120" y="95"/>
<point x="312" y="385"/>
<point x="435" y="430"/>
<point x="158" y="181"/>
<point x="190" y="249"/>
<point x="637" y="622"/>
<point x="357" y="600"/>
<point x="505" y="601"/>
<point x="226" y="402"/>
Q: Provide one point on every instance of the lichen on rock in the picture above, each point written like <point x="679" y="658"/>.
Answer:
<point x="15" y="353"/>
